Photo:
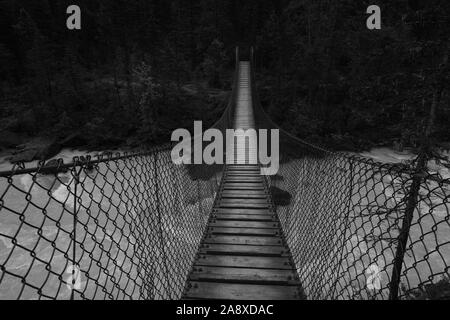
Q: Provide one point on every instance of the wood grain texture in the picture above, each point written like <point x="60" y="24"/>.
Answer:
<point x="232" y="291"/>
<point x="243" y="254"/>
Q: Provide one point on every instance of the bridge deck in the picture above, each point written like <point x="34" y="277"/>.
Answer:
<point x="243" y="254"/>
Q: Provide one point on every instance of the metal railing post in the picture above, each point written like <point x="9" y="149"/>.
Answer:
<point x="411" y="204"/>
<point x="75" y="272"/>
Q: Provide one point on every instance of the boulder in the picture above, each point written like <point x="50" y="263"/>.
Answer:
<point x="445" y="146"/>
<point x="74" y="140"/>
<point x="26" y="155"/>
<point x="49" y="150"/>
<point x="37" y="150"/>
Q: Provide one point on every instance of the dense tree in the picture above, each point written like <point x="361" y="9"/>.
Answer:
<point x="322" y="75"/>
<point x="336" y="80"/>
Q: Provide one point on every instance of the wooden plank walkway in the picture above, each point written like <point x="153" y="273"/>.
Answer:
<point x="243" y="254"/>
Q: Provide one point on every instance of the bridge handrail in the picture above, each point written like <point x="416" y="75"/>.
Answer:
<point x="261" y="113"/>
<point x="128" y="224"/>
<point x="347" y="217"/>
<point x="85" y="159"/>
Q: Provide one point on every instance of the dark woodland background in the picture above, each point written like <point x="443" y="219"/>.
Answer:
<point x="140" y="68"/>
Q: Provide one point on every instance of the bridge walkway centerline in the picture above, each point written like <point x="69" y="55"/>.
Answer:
<point x="243" y="254"/>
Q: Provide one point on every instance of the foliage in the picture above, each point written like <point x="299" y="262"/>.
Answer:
<point x="378" y="86"/>
<point x="321" y="74"/>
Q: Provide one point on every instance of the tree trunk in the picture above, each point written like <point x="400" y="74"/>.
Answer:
<point x="432" y="116"/>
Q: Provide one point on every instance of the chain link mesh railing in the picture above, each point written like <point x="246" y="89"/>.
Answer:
<point x="128" y="226"/>
<point x="117" y="226"/>
<point x="114" y="227"/>
<point x="358" y="229"/>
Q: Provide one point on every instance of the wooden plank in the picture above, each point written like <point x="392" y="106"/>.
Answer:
<point x="249" y="192"/>
<point x="232" y="291"/>
<point x="243" y="211"/>
<point x="255" y="172"/>
<point x="243" y="184"/>
<point x="240" y="185"/>
<point x="247" y="167"/>
<point x="242" y="205"/>
<point x="249" y="250"/>
<point x="244" y="275"/>
<point x="247" y="175"/>
<point x="256" y="192"/>
<point x="247" y="217"/>
<point x="243" y="240"/>
<point x="245" y="224"/>
<point x="240" y="188"/>
<point x="243" y="231"/>
<point x="243" y="179"/>
<point x="240" y="180"/>
<point x="242" y="167"/>
<point x="243" y="195"/>
<point x="243" y="255"/>
<point x="244" y="261"/>
<point x="246" y="202"/>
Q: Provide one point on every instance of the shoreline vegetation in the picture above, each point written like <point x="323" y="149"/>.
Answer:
<point x="382" y="154"/>
<point x="117" y="84"/>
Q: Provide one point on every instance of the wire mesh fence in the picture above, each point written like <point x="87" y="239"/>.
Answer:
<point x="123" y="226"/>
<point x="128" y="226"/>
<point x="114" y="227"/>
<point x="361" y="230"/>
<point x="358" y="229"/>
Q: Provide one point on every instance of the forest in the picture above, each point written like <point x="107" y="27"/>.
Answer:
<point x="139" y="69"/>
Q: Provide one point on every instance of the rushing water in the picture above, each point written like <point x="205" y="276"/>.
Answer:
<point x="54" y="243"/>
<point x="113" y="201"/>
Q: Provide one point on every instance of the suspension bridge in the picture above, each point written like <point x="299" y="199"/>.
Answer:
<point x="243" y="254"/>
<point x="137" y="226"/>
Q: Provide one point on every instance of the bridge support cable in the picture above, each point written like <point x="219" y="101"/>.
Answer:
<point x="328" y="225"/>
